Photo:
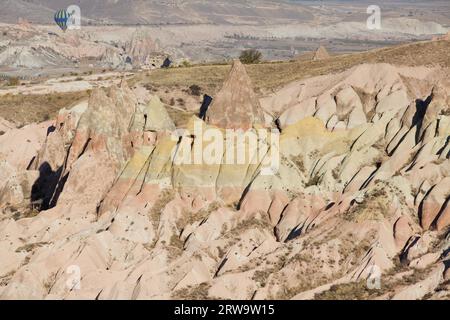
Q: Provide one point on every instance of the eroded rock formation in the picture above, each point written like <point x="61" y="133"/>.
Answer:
<point x="236" y="105"/>
<point x="361" y="187"/>
<point x="321" y="53"/>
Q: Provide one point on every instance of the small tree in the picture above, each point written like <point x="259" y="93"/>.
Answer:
<point x="250" y="56"/>
<point x="195" y="90"/>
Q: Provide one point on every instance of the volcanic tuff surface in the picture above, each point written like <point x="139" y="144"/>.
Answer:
<point x="321" y="53"/>
<point x="236" y="104"/>
<point x="362" y="186"/>
<point x="25" y="47"/>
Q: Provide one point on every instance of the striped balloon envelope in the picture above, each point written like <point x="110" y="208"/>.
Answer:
<point x="61" y="18"/>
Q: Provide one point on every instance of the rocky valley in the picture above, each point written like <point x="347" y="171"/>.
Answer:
<point x="95" y="205"/>
<point x="224" y="150"/>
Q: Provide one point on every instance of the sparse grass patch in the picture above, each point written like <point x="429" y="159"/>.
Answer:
<point x="179" y="118"/>
<point x="336" y="172"/>
<point x="298" y="161"/>
<point x="4" y="280"/>
<point x="313" y="181"/>
<point x="31" y="246"/>
<point x="176" y="246"/>
<point x="24" y="109"/>
<point x="375" y="206"/>
<point x="50" y="282"/>
<point x="257" y="223"/>
<point x="221" y="252"/>
<point x="260" y="276"/>
<point x="164" y="198"/>
<point x="199" y="292"/>
<point x="192" y="217"/>
<point x="348" y="291"/>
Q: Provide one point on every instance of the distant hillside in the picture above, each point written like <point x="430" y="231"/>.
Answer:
<point x="429" y="53"/>
<point x="160" y="12"/>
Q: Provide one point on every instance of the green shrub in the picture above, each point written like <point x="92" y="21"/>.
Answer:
<point x="250" y="56"/>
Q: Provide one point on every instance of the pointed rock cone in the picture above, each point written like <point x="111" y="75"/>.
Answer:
<point x="236" y="106"/>
<point x="321" y="53"/>
<point x="140" y="47"/>
<point x="157" y="117"/>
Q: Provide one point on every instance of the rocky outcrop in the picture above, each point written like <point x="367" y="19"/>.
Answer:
<point x="434" y="207"/>
<point x="359" y="189"/>
<point x="236" y="106"/>
<point x="321" y="54"/>
<point x="19" y="147"/>
<point x="5" y="125"/>
<point x="348" y="100"/>
<point x="156" y="116"/>
<point x="44" y="49"/>
<point x="140" y="48"/>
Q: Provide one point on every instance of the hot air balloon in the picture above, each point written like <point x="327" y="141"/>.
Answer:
<point x="61" y="18"/>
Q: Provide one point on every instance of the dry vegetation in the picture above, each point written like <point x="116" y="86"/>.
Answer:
<point x="199" y="292"/>
<point x="348" y="291"/>
<point x="31" y="246"/>
<point x="179" y="117"/>
<point x="24" y="109"/>
<point x="389" y="285"/>
<point x="164" y="198"/>
<point x="269" y="76"/>
<point x="374" y="207"/>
